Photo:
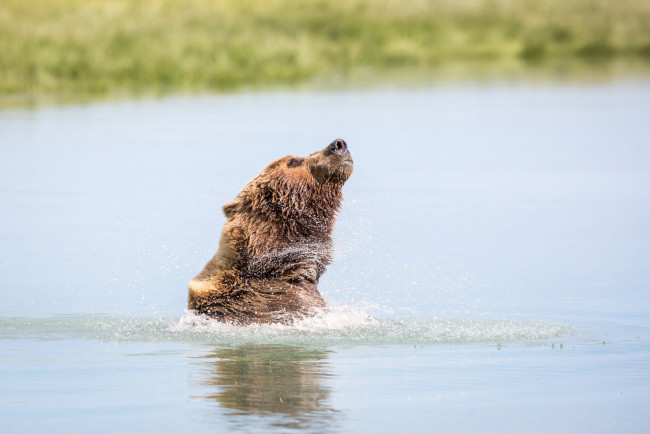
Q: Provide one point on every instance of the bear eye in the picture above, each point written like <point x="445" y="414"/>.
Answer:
<point x="295" y="162"/>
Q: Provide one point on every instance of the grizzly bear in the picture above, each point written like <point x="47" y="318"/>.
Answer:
<point x="276" y="242"/>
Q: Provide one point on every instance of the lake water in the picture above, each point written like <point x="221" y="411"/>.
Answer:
<point x="492" y="270"/>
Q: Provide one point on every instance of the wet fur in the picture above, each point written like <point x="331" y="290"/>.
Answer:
<point x="276" y="242"/>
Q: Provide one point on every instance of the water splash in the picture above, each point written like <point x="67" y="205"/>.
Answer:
<point x="344" y="325"/>
<point x="307" y="256"/>
<point x="350" y="325"/>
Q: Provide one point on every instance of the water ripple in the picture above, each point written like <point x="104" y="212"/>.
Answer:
<point x="332" y="326"/>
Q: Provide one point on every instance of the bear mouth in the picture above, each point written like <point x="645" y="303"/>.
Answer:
<point x="347" y="164"/>
<point x="344" y="170"/>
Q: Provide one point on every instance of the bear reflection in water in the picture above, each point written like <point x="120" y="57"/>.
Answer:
<point x="276" y="381"/>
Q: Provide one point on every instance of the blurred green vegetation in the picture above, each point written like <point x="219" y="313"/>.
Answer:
<point x="94" y="47"/>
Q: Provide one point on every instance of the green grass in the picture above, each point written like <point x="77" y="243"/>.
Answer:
<point x="96" y="47"/>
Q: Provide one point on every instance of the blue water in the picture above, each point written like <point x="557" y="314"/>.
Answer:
<point x="492" y="270"/>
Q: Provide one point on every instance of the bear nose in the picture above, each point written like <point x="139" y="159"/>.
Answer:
<point x="339" y="146"/>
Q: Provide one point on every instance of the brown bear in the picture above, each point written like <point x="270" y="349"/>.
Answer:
<point x="276" y="242"/>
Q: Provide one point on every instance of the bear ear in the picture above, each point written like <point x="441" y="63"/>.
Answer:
<point x="230" y="208"/>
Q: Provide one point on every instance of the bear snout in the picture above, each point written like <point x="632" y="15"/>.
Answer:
<point x="338" y="146"/>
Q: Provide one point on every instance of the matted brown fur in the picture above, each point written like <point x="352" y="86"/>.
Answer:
<point x="276" y="242"/>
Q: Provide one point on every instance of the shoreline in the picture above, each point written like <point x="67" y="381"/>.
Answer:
<point x="98" y="49"/>
<point x="563" y="71"/>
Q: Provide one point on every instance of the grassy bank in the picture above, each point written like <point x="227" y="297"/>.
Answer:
<point x="94" y="47"/>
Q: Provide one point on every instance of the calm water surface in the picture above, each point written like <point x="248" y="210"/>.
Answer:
<point x="492" y="270"/>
